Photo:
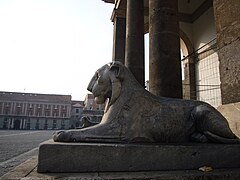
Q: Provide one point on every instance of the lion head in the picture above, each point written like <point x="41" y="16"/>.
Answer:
<point x="106" y="82"/>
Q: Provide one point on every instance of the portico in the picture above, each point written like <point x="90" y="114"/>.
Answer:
<point x="164" y="58"/>
<point x="186" y="25"/>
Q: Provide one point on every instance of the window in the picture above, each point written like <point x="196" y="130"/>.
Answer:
<point x="46" y="113"/>
<point x="29" y="112"/>
<point x="77" y="110"/>
<point x="6" y="111"/>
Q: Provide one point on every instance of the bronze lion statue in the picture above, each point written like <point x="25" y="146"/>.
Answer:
<point x="135" y="115"/>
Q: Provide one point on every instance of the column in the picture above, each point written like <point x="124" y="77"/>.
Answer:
<point x="164" y="49"/>
<point x="134" y="52"/>
<point x="24" y="123"/>
<point x="9" y="123"/>
<point x="12" y="123"/>
<point x="21" y="123"/>
<point x="119" y="39"/>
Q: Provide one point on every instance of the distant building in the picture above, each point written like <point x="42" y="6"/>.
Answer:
<point x="34" y="111"/>
<point x="76" y="113"/>
<point x="86" y="113"/>
<point x="92" y="110"/>
<point x="46" y="111"/>
<point x="90" y="103"/>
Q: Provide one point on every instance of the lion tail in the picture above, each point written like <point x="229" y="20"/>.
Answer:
<point x="219" y="139"/>
<point x="213" y="124"/>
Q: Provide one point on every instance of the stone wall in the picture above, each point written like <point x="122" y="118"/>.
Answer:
<point x="232" y="113"/>
<point x="228" y="39"/>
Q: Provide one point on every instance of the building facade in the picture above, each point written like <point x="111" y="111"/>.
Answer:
<point x="31" y="111"/>
<point x="76" y="113"/>
<point x="92" y="110"/>
<point x="34" y="111"/>
<point x="86" y="113"/>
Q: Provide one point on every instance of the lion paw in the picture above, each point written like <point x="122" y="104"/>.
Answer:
<point x="63" y="136"/>
<point x="199" y="137"/>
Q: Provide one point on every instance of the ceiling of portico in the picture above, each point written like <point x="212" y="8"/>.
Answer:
<point x="189" y="10"/>
<point x="184" y="6"/>
<point x="189" y="6"/>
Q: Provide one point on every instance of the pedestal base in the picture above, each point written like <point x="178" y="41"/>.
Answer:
<point x="103" y="157"/>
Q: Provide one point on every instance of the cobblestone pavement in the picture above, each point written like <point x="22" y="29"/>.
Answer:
<point x="17" y="146"/>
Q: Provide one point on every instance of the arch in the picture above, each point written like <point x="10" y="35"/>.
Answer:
<point x="5" y="123"/>
<point x="16" y="124"/>
<point x="189" y="82"/>
<point x="186" y="41"/>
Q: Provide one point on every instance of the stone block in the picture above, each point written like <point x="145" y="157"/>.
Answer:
<point x="107" y="157"/>
<point x="232" y="113"/>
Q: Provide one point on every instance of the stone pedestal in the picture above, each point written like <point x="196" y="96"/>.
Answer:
<point x="96" y="157"/>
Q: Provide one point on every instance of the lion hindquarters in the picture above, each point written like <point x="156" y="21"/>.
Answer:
<point x="212" y="124"/>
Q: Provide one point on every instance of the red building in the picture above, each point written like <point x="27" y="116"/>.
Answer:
<point x="34" y="111"/>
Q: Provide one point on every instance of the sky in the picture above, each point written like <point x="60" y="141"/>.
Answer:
<point x="53" y="46"/>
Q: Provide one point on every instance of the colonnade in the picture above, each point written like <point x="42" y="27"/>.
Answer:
<point x="164" y="51"/>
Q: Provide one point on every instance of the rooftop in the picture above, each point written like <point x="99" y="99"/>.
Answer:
<point x="20" y="96"/>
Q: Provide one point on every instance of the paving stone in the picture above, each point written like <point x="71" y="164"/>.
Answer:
<point x="22" y="173"/>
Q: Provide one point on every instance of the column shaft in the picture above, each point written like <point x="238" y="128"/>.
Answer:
<point x="164" y="49"/>
<point x="119" y="39"/>
<point x="134" y="53"/>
